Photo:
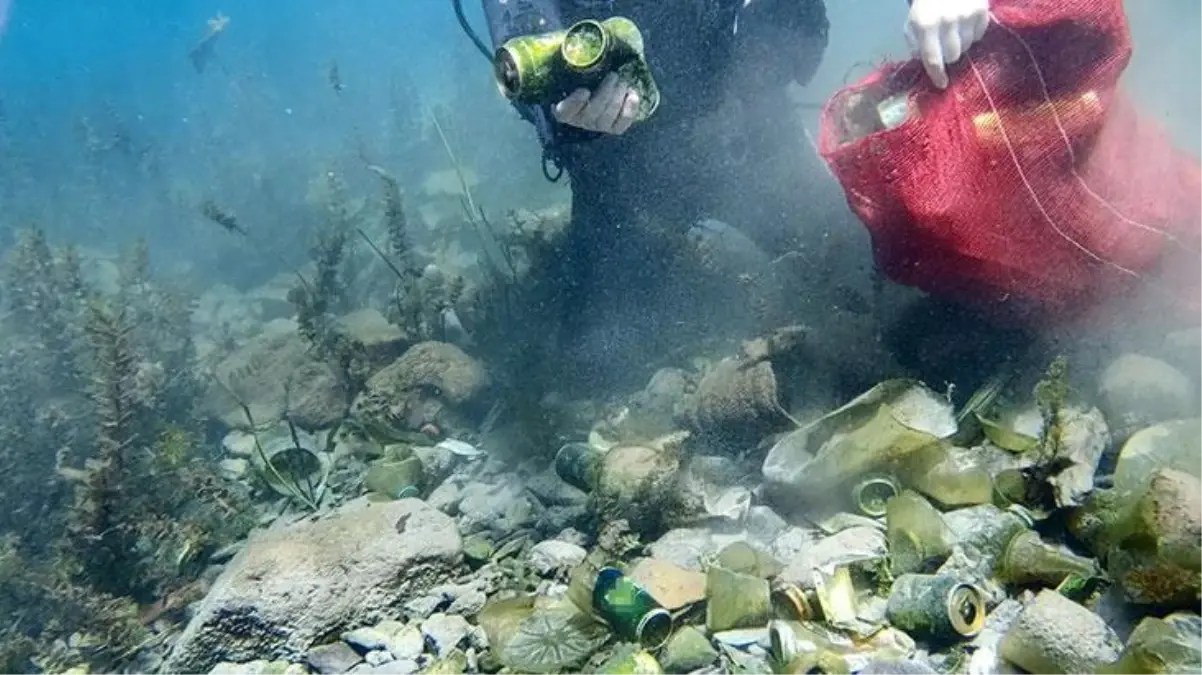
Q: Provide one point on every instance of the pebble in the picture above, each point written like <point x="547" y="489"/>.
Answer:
<point x="366" y="639"/>
<point x="239" y="444"/>
<point x="445" y="498"/>
<point x="446" y="631"/>
<point x="552" y="555"/>
<point x="470" y="602"/>
<point x="407" y="644"/>
<point x="338" y="657"/>
<point x="233" y="468"/>
<point x="377" y="657"/>
<point x="397" y="667"/>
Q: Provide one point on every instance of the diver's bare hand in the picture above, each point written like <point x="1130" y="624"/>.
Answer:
<point x="608" y="109"/>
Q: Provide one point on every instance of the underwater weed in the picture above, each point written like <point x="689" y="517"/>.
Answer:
<point x="1051" y="394"/>
<point x="125" y="506"/>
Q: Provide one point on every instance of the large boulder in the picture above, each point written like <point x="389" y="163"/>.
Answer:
<point x="276" y="373"/>
<point x="293" y="586"/>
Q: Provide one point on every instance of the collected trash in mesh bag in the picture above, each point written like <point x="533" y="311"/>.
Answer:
<point x="1031" y="187"/>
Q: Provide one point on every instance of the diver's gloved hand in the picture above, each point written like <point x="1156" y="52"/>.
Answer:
<point x="940" y="31"/>
<point x="608" y="109"/>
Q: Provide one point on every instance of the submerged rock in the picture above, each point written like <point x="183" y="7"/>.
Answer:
<point x="1157" y="558"/>
<point x="336" y="657"/>
<point x="1056" y="635"/>
<point x="293" y="586"/>
<point x="431" y="383"/>
<point x="686" y="651"/>
<point x="551" y="556"/>
<point x="275" y="374"/>
<point x="1137" y="391"/>
<point x="382" y="342"/>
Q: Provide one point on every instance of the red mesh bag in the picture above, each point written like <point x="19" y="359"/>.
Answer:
<point x="1031" y="186"/>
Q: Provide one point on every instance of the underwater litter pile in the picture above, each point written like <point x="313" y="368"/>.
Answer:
<point x="945" y="559"/>
<point x="711" y="524"/>
<point x="1019" y="533"/>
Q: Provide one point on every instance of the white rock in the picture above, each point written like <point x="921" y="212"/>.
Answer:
<point x="377" y="656"/>
<point x="446" y="631"/>
<point x="366" y="639"/>
<point x="397" y="667"/>
<point x="407" y="644"/>
<point x="255" y="667"/>
<point x="552" y="555"/>
<point x="1136" y="391"/>
<point x="239" y="443"/>
<point x="233" y="468"/>
<point x="293" y="585"/>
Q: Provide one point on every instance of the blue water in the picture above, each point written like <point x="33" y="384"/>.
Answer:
<point x="262" y="110"/>
<point x="266" y="111"/>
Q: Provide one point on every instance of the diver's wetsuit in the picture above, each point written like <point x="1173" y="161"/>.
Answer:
<point x="635" y="196"/>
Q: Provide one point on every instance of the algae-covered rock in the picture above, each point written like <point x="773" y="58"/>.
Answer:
<point x="1157" y="551"/>
<point x="294" y="585"/>
<point x="636" y="484"/>
<point x="737" y="399"/>
<point x="380" y="340"/>
<point x="431" y="383"/>
<point x="1056" y="635"/>
<point x="1147" y="526"/>
<point x="274" y="374"/>
<point x="686" y="651"/>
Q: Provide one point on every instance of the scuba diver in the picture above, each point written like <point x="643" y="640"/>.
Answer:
<point x="725" y="143"/>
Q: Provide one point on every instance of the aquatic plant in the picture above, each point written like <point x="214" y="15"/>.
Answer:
<point x="44" y="299"/>
<point x="106" y="477"/>
<point x="1050" y="395"/>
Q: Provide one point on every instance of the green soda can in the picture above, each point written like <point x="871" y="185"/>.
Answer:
<point x="936" y="607"/>
<point x="630" y="610"/>
<point x="578" y="464"/>
<point x="872" y="493"/>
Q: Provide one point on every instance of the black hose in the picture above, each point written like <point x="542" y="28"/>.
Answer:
<point x="467" y="28"/>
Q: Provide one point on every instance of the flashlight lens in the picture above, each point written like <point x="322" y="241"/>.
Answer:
<point x="505" y="69"/>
